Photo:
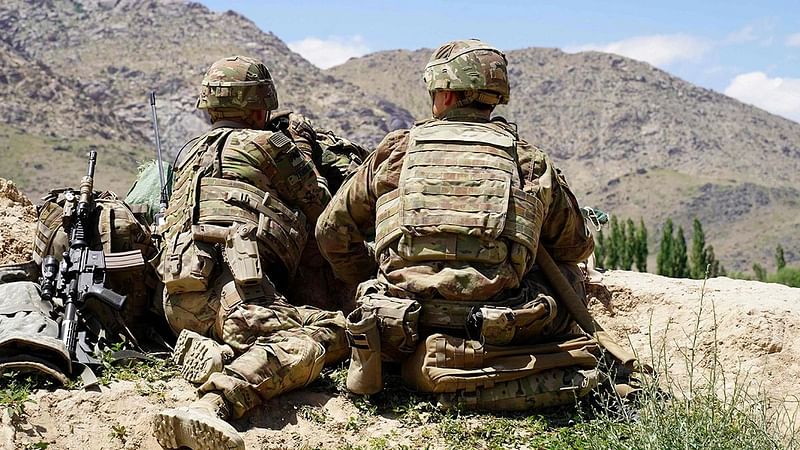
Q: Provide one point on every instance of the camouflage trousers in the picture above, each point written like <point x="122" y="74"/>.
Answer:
<point x="530" y="354"/>
<point x="278" y="347"/>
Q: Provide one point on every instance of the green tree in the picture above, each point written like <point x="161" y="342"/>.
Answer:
<point x="699" y="257"/>
<point x="761" y="273"/>
<point x="629" y="245"/>
<point x="780" y="260"/>
<point x="616" y="245"/>
<point x="715" y="269"/>
<point x="789" y="276"/>
<point x="600" y="250"/>
<point x="641" y="247"/>
<point x="666" y="250"/>
<point x="680" y="262"/>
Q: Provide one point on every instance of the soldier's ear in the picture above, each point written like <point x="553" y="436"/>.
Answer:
<point x="450" y="98"/>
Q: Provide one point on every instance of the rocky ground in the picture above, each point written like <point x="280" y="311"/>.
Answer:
<point x="747" y="329"/>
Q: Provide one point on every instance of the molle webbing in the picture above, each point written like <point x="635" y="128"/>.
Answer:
<point x="459" y="192"/>
<point x="280" y="228"/>
<point x="46" y="228"/>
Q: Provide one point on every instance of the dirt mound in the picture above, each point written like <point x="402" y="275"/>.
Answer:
<point x="17" y="224"/>
<point x="749" y="329"/>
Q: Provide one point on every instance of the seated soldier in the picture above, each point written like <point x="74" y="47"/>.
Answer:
<point x="235" y="230"/>
<point x="459" y="205"/>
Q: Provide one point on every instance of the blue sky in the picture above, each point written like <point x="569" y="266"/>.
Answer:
<point x="749" y="50"/>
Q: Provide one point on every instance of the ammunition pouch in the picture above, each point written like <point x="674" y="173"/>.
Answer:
<point x="398" y="321"/>
<point x="364" y="375"/>
<point x="499" y="325"/>
<point x="187" y="264"/>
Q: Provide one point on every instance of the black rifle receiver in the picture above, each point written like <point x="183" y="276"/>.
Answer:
<point x="82" y="271"/>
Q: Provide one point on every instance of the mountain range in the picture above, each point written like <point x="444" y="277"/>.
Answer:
<point x="631" y="138"/>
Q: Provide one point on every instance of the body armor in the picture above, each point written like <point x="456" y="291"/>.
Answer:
<point x="243" y="218"/>
<point x="460" y="198"/>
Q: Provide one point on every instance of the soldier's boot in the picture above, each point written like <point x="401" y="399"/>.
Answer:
<point x="364" y="375"/>
<point x="199" y="356"/>
<point x="199" y="426"/>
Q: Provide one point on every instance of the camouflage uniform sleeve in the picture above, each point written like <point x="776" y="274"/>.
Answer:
<point x="295" y="178"/>
<point x="349" y="220"/>
<point x="564" y="232"/>
<point x="304" y="136"/>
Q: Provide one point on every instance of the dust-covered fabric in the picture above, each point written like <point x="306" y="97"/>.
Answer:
<point x="457" y="208"/>
<point x="243" y="200"/>
<point x="278" y="346"/>
<point x="349" y="221"/>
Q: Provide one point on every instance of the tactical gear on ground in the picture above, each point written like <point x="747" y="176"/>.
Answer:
<point x="554" y="387"/>
<point x="120" y="229"/>
<point x="144" y="196"/>
<point x="469" y="66"/>
<point x="200" y="426"/>
<point x="238" y="82"/>
<point x="364" y="376"/>
<point x="28" y="335"/>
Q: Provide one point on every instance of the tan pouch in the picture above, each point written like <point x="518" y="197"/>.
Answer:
<point x="499" y="325"/>
<point x="398" y="321"/>
<point x="186" y="265"/>
<point x="449" y="364"/>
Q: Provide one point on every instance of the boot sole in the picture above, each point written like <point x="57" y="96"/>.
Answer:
<point x="197" y="356"/>
<point x="197" y="430"/>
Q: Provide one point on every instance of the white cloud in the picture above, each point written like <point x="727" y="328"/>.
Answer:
<point x="793" y="40"/>
<point x="658" y="50"/>
<point x="745" y="34"/>
<point x="777" y="95"/>
<point x="325" y="53"/>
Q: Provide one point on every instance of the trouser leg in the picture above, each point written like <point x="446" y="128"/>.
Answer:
<point x="291" y="360"/>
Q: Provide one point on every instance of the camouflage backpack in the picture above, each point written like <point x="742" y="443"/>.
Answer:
<point x="120" y="229"/>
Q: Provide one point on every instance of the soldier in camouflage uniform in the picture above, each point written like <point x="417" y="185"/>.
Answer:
<point x="234" y="234"/>
<point x="458" y="206"/>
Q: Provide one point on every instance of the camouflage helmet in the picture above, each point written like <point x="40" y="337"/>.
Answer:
<point x="469" y="65"/>
<point x="238" y="82"/>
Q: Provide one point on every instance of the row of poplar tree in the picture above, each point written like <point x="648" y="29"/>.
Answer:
<point x="626" y="246"/>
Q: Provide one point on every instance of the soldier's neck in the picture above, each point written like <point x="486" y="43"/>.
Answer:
<point x="467" y="115"/>
<point x="228" y="124"/>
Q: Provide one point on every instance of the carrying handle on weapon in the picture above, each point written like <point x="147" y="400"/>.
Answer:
<point x="580" y="313"/>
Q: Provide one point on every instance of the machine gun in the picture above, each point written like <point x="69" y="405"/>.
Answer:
<point x="81" y="274"/>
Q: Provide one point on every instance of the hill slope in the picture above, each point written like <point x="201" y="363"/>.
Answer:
<point x="111" y="54"/>
<point x="639" y="142"/>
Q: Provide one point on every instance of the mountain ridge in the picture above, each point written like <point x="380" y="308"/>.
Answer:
<point x="638" y="141"/>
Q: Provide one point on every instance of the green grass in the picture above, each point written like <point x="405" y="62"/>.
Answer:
<point x="39" y="163"/>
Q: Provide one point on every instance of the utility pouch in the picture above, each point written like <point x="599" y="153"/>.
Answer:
<point x="503" y="326"/>
<point x="241" y="254"/>
<point x="398" y="320"/>
<point x="364" y="375"/>
<point x="187" y="264"/>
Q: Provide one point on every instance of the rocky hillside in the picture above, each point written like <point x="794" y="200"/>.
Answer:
<point x="639" y="142"/>
<point x="89" y="66"/>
